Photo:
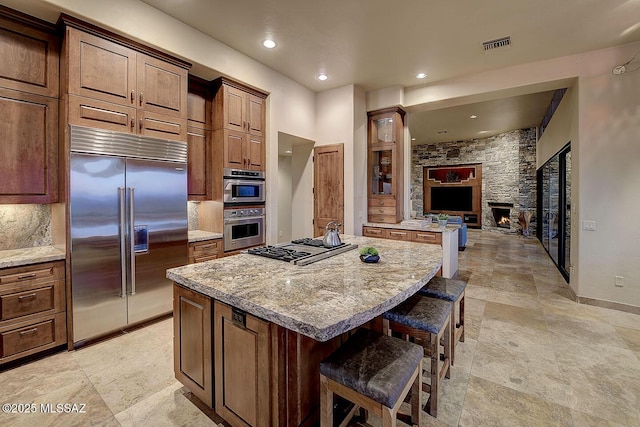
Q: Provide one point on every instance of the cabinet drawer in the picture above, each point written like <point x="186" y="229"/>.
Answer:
<point x="399" y="235"/>
<point x="382" y="210"/>
<point x="27" y="338"/>
<point x="104" y="115"/>
<point x="205" y="258"/>
<point x="208" y="246"/>
<point x="28" y="276"/>
<point x="387" y="201"/>
<point x="374" y="232"/>
<point x="426" y="237"/>
<point x="384" y="219"/>
<point x="27" y="302"/>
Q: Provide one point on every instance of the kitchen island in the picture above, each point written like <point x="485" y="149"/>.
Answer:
<point x="250" y="331"/>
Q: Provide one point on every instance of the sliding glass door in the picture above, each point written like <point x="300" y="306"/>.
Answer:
<point x="554" y="208"/>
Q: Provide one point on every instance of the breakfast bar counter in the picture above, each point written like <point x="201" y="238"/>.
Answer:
<point x="250" y="331"/>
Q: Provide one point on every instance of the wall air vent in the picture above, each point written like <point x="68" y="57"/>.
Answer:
<point x="496" y="44"/>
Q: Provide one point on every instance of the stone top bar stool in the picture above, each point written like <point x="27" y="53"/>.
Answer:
<point x="375" y="372"/>
<point x="449" y="290"/>
<point x="428" y="321"/>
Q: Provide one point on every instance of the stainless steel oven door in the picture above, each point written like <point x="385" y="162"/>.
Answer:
<point x="243" y="191"/>
<point x="243" y="228"/>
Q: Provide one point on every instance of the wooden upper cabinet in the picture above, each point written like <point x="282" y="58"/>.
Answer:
<point x="29" y="147"/>
<point x="239" y="123"/>
<point x="30" y="56"/>
<point x="162" y="87"/>
<point x="103" y="67"/>
<point x="29" y="89"/>
<point x="100" y="69"/>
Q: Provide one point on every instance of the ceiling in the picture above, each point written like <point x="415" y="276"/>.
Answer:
<point x="380" y="43"/>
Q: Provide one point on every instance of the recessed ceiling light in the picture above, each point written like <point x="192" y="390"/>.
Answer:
<point x="421" y="75"/>
<point x="288" y="151"/>
<point x="269" y="44"/>
<point x="322" y="77"/>
<point x="473" y="116"/>
<point x="413" y="139"/>
<point x="484" y="131"/>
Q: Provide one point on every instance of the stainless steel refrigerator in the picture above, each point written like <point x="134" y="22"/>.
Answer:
<point x="128" y="214"/>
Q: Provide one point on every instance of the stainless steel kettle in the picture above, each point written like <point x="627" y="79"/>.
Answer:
<point x="331" y="235"/>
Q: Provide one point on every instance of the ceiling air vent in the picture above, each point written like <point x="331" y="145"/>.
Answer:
<point x="496" y="44"/>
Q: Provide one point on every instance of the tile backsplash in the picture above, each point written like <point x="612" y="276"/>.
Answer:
<point x="24" y="226"/>
<point x="192" y="212"/>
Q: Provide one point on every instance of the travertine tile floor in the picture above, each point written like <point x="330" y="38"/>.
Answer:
<point x="532" y="357"/>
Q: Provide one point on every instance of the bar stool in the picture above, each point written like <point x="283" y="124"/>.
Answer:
<point x="428" y="321"/>
<point x="450" y="290"/>
<point x="375" y="372"/>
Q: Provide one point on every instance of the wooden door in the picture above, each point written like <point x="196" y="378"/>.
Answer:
<point x="162" y="87"/>
<point x="100" y="69"/>
<point x="328" y="186"/>
<point x="234" y="156"/>
<point x="29" y="59"/>
<point x="192" y="342"/>
<point x="234" y="113"/>
<point x="162" y="126"/>
<point x="255" y="153"/>
<point x="242" y="375"/>
<point x="255" y="115"/>
<point x="28" y="148"/>
<point x="197" y="170"/>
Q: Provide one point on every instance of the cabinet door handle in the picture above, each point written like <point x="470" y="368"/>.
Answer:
<point x="133" y="124"/>
<point x="27" y="276"/>
<point x="29" y="331"/>
<point x="381" y="202"/>
<point x="381" y="219"/>
<point x="244" y="125"/>
<point x="133" y="96"/>
<point x="141" y="99"/>
<point x="248" y="126"/>
<point x="141" y="125"/>
<point x="380" y="210"/>
<point x="23" y="297"/>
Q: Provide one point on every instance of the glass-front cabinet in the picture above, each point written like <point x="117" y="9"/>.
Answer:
<point x="385" y="166"/>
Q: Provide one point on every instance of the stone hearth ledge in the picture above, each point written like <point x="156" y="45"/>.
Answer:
<point x="27" y="256"/>
<point x="320" y="300"/>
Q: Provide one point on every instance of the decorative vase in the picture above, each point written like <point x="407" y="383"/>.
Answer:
<point x="442" y="222"/>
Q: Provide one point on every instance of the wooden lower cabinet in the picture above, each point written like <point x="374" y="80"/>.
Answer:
<point x="250" y="371"/>
<point x="32" y="310"/>
<point x="205" y="250"/>
<point x="402" y="234"/>
<point x="192" y="342"/>
<point x="242" y="359"/>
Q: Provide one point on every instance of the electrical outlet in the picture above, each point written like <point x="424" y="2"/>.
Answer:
<point x="589" y="225"/>
<point x="619" y="281"/>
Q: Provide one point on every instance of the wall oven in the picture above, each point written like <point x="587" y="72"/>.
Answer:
<point x="243" y="228"/>
<point x="243" y="186"/>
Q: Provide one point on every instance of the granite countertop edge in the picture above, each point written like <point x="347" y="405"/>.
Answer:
<point x="201" y="236"/>
<point x="28" y="256"/>
<point x="434" y="228"/>
<point x="215" y="280"/>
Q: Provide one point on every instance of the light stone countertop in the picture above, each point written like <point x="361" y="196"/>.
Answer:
<point x="26" y="256"/>
<point x="414" y="225"/>
<point x="323" y="299"/>
<point x="200" y="235"/>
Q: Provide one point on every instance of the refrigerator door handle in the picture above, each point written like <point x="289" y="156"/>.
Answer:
<point x="132" y="249"/>
<point x="123" y="243"/>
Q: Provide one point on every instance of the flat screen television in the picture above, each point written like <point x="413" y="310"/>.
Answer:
<point x="451" y="198"/>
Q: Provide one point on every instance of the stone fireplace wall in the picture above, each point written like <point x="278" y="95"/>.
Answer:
<point x="508" y="171"/>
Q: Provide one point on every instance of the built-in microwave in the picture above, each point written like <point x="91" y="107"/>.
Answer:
<point x="242" y="186"/>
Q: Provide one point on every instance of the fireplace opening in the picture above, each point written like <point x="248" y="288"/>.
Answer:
<point x="501" y="214"/>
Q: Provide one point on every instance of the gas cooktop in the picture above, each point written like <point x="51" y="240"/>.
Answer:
<point x="301" y="251"/>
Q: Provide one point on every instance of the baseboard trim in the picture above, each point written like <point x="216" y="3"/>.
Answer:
<point x="610" y="304"/>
